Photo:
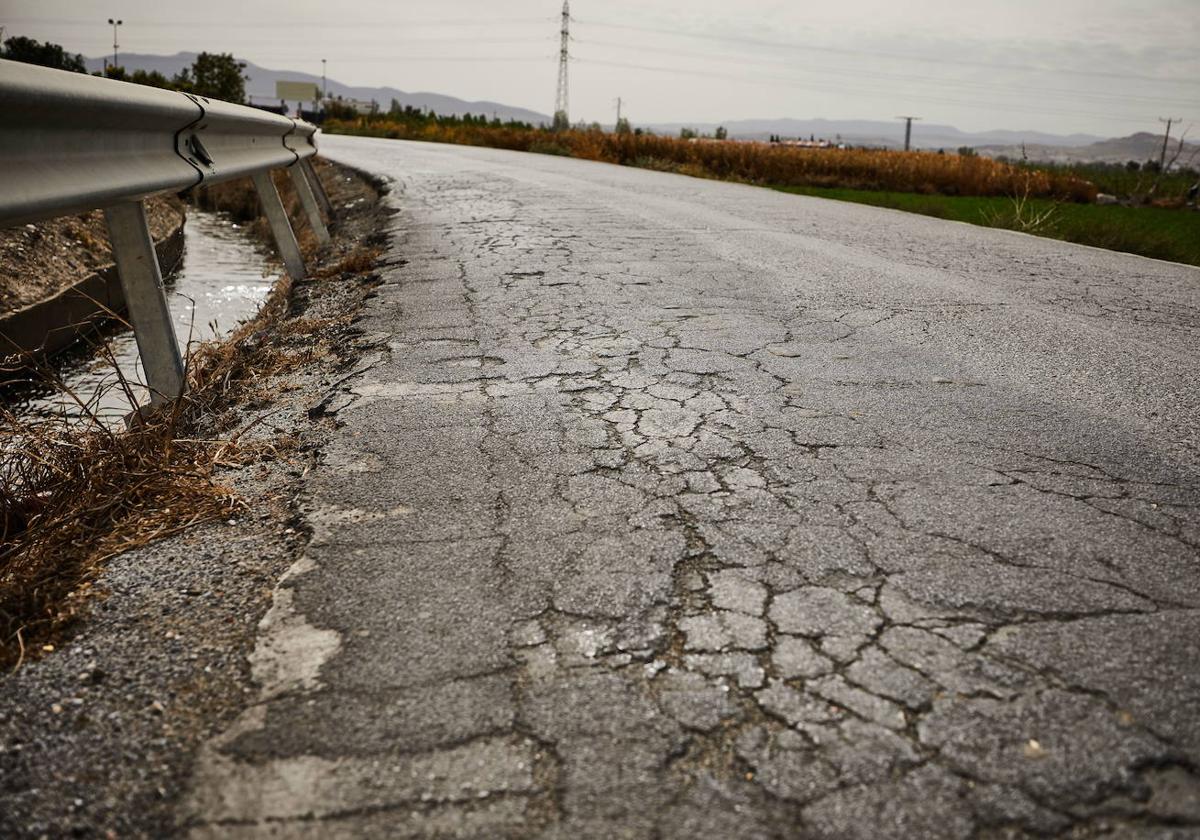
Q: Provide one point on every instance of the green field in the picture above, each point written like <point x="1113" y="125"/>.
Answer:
<point x="1150" y="231"/>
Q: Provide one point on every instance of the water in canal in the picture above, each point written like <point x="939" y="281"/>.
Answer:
<point x="224" y="276"/>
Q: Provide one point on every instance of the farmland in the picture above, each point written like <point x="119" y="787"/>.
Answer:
<point x="1057" y="202"/>
<point x="1150" y="231"/>
<point x="756" y="163"/>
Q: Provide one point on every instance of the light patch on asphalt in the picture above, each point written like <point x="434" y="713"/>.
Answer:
<point x="440" y="393"/>
<point x="289" y="652"/>
<point x="403" y="390"/>
<point x="323" y="518"/>
<point x="288" y="656"/>
<point x="303" y="787"/>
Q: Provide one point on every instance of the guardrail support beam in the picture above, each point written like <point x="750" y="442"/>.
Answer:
<point x="281" y="228"/>
<point x="309" y="201"/>
<point x="145" y="299"/>
<point x="314" y="180"/>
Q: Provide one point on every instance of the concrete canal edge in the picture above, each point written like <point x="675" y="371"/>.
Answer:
<point x="55" y="323"/>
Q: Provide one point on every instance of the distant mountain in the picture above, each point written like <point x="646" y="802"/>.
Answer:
<point x="261" y="88"/>
<point x="889" y="134"/>
<point x="1139" y="147"/>
<point x="882" y="133"/>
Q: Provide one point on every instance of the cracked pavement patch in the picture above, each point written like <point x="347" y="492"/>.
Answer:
<point x="747" y="532"/>
<point x="677" y="508"/>
<point x="705" y="522"/>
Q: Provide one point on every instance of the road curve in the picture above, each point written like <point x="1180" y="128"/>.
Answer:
<point x="673" y="508"/>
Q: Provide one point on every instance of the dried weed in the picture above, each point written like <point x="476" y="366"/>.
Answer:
<point x="74" y="496"/>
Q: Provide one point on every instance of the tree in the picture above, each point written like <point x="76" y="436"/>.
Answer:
<point x="623" y="126"/>
<point x="722" y="134"/>
<point x="139" y="77"/>
<point x="687" y="134"/>
<point x="561" y="122"/>
<point x="47" y="55"/>
<point x="151" y="78"/>
<point x="215" y="75"/>
<point x="336" y="109"/>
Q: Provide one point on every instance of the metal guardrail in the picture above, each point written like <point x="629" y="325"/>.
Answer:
<point x="70" y="143"/>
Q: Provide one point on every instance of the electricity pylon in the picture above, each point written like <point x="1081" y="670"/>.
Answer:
<point x="908" y="121"/>
<point x="561" y="105"/>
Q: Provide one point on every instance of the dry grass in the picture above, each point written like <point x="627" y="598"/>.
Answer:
<point x="756" y="163"/>
<point x="356" y="262"/>
<point x="73" y="496"/>
<point x="238" y="199"/>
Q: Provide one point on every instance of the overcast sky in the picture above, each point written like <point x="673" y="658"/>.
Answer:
<point x="1108" y="67"/>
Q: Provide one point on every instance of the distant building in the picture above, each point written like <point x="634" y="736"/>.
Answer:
<point x="360" y="106"/>
<point x="807" y="144"/>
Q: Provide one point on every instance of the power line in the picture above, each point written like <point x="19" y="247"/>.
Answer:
<point x="294" y="24"/>
<point x="860" y="74"/>
<point x="402" y="40"/>
<point x="876" y="54"/>
<point x="432" y="59"/>
<point x="824" y="87"/>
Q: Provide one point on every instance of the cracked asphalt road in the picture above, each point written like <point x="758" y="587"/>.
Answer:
<point x="673" y="508"/>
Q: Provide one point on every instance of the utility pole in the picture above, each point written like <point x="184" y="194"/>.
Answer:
<point x="908" y="121"/>
<point x="561" y="119"/>
<point x="324" y="91"/>
<point x="618" y="110"/>
<point x="1162" y="158"/>
<point x="115" y="24"/>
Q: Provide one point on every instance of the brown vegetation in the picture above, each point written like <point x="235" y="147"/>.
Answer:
<point x="74" y="496"/>
<point x="757" y="163"/>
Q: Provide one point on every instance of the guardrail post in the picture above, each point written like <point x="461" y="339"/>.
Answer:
<point x="309" y="201"/>
<point x="285" y="238"/>
<point x="318" y="188"/>
<point x="141" y="281"/>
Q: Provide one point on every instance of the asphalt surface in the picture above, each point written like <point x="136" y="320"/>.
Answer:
<point x="674" y="508"/>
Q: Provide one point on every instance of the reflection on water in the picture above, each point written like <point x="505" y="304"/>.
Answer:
<point x="221" y="281"/>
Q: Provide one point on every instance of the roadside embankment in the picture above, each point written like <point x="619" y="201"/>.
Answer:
<point x="51" y="536"/>
<point x="135" y="566"/>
